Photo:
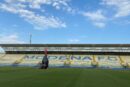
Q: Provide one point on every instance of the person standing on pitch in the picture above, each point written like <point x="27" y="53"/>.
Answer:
<point x="45" y="61"/>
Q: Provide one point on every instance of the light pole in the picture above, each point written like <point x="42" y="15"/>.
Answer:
<point x="30" y="38"/>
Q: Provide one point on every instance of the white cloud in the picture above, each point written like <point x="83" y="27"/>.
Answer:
<point x="41" y="22"/>
<point x="96" y="17"/>
<point x="100" y="24"/>
<point x="9" y="39"/>
<point x="37" y="4"/>
<point x="8" y="8"/>
<point x="122" y="6"/>
<point x="74" y="40"/>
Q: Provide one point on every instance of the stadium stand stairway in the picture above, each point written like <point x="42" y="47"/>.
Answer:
<point x="94" y="62"/>
<point x="122" y="62"/>
<point x="9" y="59"/>
<point x="18" y="61"/>
<point x="108" y="61"/>
<point x="126" y="60"/>
<point x="67" y="61"/>
<point x="2" y="55"/>
<point x="31" y="60"/>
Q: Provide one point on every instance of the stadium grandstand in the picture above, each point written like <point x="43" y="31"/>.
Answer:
<point x="113" y="56"/>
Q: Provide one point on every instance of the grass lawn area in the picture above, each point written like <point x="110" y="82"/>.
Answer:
<point x="63" y="77"/>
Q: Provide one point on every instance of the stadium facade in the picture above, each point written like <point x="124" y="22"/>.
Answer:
<point x="67" y="55"/>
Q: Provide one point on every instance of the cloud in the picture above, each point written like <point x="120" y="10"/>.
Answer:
<point x="100" y="24"/>
<point x="96" y="17"/>
<point x="74" y="40"/>
<point x="23" y="9"/>
<point x="122" y="6"/>
<point x="10" y="39"/>
<point x="41" y="22"/>
<point x="118" y="8"/>
<point x="37" y="4"/>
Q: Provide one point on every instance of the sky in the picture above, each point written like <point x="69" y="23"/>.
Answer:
<point x="65" y="21"/>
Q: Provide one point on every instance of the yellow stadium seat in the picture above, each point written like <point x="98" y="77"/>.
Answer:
<point x="108" y="61"/>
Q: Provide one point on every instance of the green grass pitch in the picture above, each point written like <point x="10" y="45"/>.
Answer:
<point x="59" y="77"/>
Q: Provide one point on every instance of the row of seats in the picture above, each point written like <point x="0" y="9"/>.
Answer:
<point x="1" y="55"/>
<point x="102" y="61"/>
<point x="10" y="59"/>
<point x="108" y="61"/>
<point x="31" y="60"/>
<point x="126" y="60"/>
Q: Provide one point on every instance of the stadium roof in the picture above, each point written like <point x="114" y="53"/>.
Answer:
<point x="107" y="48"/>
<point x="65" y="45"/>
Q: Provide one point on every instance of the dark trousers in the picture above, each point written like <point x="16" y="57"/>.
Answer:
<point x="44" y="65"/>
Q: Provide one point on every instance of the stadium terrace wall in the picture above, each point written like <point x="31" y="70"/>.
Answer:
<point x="97" y="49"/>
<point x="78" y="53"/>
<point x="68" y="55"/>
